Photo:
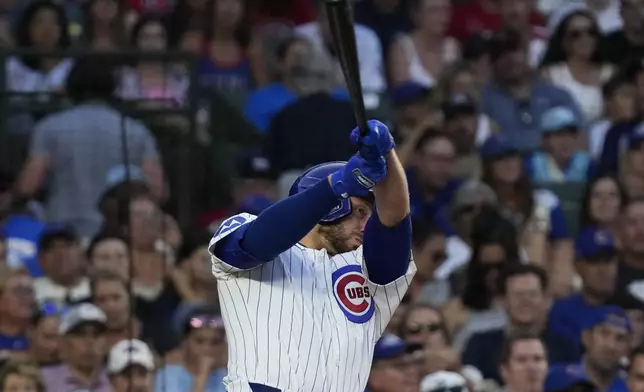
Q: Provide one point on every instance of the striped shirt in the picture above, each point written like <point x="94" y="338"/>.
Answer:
<point x="304" y="321"/>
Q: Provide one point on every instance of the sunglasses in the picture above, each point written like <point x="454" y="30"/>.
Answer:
<point x="206" y="321"/>
<point x="420" y="328"/>
<point x="578" y="33"/>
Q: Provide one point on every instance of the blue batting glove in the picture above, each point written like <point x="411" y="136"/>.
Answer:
<point x="376" y="143"/>
<point x="358" y="176"/>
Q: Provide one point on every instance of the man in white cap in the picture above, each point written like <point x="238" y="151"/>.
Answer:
<point x="130" y="365"/>
<point x="83" y="346"/>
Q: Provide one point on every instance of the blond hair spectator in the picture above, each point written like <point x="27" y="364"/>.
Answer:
<point x="21" y="376"/>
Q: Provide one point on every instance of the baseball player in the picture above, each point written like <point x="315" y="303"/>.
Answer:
<point x="309" y="285"/>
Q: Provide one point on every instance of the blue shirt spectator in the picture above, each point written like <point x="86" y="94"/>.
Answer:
<point x="596" y="264"/>
<point x="606" y="338"/>
<point x="22" y="233"/>
<point x="618" y="139"/>
<point x="557" y="160"/>
<point x="177" y="378"/>
<point x="514" y="97"/>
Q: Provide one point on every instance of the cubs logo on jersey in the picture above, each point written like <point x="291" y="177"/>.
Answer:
<point x="352" y="293"/>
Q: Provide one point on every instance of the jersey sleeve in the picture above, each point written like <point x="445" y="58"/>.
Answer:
<point x="387" y="297"/>
<point x="223" y="266"/>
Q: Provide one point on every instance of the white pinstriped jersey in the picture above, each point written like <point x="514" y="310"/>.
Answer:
<point x="304" y="322"/>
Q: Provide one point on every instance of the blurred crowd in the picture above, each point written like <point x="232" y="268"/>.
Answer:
<point x="519" y="123"/>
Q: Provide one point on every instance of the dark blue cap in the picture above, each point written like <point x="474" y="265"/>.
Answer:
<point x="389" y="346"/>
<point x="55" y="232"/>
<point x="594" y="242"/>
<point x="497" y="146"/>
<point x="609" y="315"/>
<point x="408" y="92"/>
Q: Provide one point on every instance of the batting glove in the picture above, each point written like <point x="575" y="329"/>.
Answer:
<point x="376" y="143"/>
<point x="358" y="176"/>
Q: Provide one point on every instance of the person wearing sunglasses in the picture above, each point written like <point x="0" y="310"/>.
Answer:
<point x="394" y="368"/>
<point x="201" y="366"/>
<point x="573" y="61"/>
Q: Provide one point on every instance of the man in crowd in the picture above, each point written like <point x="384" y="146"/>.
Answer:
<point x="130" y="365"/>
<point x="523" y="289"/>
<point x="630" y="271"/>
<point x="392" y="369"/>
<point x="524" y="363"/>
<point x="82" y="331"/>
<point x="44" y="339"/>
<point x="596" y="265"/>
<point x="61" y="261"/>
<point x="606" y="340"/>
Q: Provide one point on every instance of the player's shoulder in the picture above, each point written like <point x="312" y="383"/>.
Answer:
<point x="231" y="224"/>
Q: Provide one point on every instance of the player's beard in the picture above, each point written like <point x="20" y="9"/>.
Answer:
<point x="336" y="238"/>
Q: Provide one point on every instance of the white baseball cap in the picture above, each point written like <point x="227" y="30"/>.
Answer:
<point x="443" y="381"/>
<point x="127" y="353"/>
<point x="80" y="314"/>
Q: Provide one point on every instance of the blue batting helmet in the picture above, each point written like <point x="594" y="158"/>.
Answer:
<point x="316" y="174"/>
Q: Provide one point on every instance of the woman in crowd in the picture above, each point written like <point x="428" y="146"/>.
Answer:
<point x="602" y="204"/>
<point x="193" y="277"/>
<point x="543" y="233"/>
<point x="233" y="58"/>
<point x="43" y="26"/>
<point x="104" y="28"/>
<point x="469" y="200"/>
<point x="20" y="376"/>
<point x="573" y="61"/>
<point x="110" y="252"/>
<point x="422" y="55"/>
<point x="186" y="13"/>
<point x="155" y="81"/>
<point x="494" y="245"/>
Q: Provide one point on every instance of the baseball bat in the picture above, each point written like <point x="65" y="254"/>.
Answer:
<point x="344" y="41"/>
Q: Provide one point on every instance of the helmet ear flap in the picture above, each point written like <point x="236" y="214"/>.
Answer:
<point x="338" y="212"/>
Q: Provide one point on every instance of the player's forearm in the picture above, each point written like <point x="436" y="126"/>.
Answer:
<point x="392" y="194"/>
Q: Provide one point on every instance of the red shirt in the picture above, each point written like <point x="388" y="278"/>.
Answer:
<point x="471" y="18"/>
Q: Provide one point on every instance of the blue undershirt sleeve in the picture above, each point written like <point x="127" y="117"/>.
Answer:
<point x="386" y="250"/>
<point x="277" y="228"/>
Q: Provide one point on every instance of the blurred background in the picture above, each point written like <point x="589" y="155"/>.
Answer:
<point x="129" y="129"/>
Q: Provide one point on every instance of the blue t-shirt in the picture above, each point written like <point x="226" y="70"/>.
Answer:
<point x="22" y="233"/>
<point x="569" y="315"/>
<point x="177" y="378"/>
<point x="563" y="376"/>
<point x="436" y="209"/>
<point x="13" y="343"/>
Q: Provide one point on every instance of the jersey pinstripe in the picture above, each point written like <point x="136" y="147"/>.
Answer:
<point x="303" y="322"/>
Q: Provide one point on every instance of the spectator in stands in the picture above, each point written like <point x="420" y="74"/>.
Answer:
<point x="476" y="58"/>
<point x="16" y="308"/>
<point x="431" y="184"/>
<point x="429" y="251"/>
<point x="596" y="265"/>
<point x="630" y="272"/>
<point x="130" y="365"/>
<point x="291" y="12"/>
<point x="369" y="50"/>
<point x="110" y="292"/>
<point x="193" y="277"/>
<point x="441" y="380"/>
<point x="82" y="331"/>
<point x="63" y="267"/>
<point x="462" y="122"/>
<point x="186" y="15"/>
<point x="469" y="200"/>
<point x="21" y="229"/>
<point x="635" y="379"/>
<point x="514" y="97"/>
<point x="559" y="160"/>
<point x="459" y="79"/>
<point x="392" y="368"/>
<point x="92" y="132"/>
<point x="104" y="26"/>
<point x="631" y="171"/>
<point x="109" y="252"/>
<point x="152" y="82"/>
<point x="606" y="340"/>
<point x="21" y="376"/>
<point x="537" y="213"/>
<point x="421" y="55"/>
<point x="602" y="205"/>
<point x="630" y="39"/>
<point x="43" y="26"/>
<point x="494" y="245"/>
<point x="44" y="339"/>
<point x="632" y="306"/>
<point x="523" y="289"/>
<point x="202" y="365"/>
<point x="524" y="363"/>
<point x="478" y="16"/>
<point x="620" y="108"/>
<point x="387" y="18"/>
<point x="233" y="57"/>
<point x="396" y="321"/>
<point x="573" y="61"/>
<point x="515" y="14"/>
